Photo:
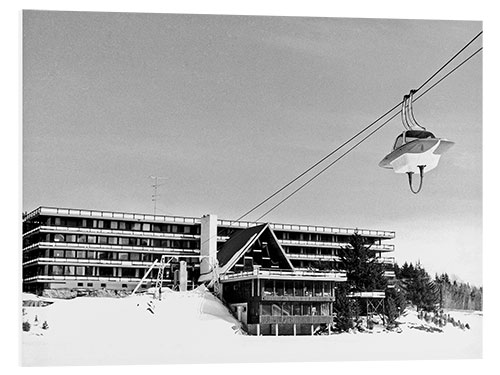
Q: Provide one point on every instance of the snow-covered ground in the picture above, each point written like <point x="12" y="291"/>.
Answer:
<point x="194" y="327"/>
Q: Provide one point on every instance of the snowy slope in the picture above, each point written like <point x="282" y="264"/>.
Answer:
<point x="194" y="327"/>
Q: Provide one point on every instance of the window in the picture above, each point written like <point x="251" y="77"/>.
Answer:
<point x="136" y="226"/>
<point x="296" y="309"/>
<point x="268" y="288"/>
<point x="308" y="289"/>
<point x="122" y="225"/>
<point x="288" y="288"/>
<point x="306" y="309"/>
<point x="279" y="287"/>
<point x="128" y="272"/>
<point x="113" y="225"/>
<point x="165" y="243"/>
<point x="112" y="240"/>
<point x="155" y="242"/>
<point x="91" y="254"/>
<point x="70" y="253"/>
<point x="69" y="270"/>
<point x="123" y="256"/>
<point x="58" y="253"/>
<point x="106" y="271"/>
<point x="124" y="285"/>
<point x="325" y="309"/>
<point x="79" y="284"/>
<point x="146" y="227"/>
<point x="287" y="309"/>
<point x="102" y="240"/>
<point x="57" y="221"/>
<point x="276" y="310"/>
<point x="80" y="254"/>
<point x="80" y="271"/>
<point x="144" y="241"/>
<point x="58" y="237"/>
<point x="265" y="309"/>
<point x="57" y="270"/>
<point x="299" y="288"/>
<point x="146" y="257"/>
<point x="124" y="241"/>
<point x="82" y="238"/>
<point x="90" y="284"/>
<point x="103" y="285"/>
<point x="187" y="229"/>
<point x="156" y="228"/>
<point x="91" y="239"/>
<point x="135" y="256"/>
<point x="174" y="228"/>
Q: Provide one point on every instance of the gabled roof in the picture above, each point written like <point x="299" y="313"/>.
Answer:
<point x="240" y="242"/>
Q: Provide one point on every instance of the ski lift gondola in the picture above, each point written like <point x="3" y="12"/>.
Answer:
<point x="416" y="148"/>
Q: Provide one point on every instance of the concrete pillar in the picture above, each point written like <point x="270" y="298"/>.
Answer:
<point x="277" y="330"/>
<point x="295" y="329"/>
<point x="183" y="276"/>
<point x="258" y="329"/>
<point x="208" y="246"/>
<point x="312" y="329"/>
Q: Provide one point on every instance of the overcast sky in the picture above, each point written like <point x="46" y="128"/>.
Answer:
<point x="228" y="109"/>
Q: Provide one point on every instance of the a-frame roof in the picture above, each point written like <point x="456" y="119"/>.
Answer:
<point x="237" y="245"/>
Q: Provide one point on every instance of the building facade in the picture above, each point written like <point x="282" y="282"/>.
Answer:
<point x="277" y="278"/>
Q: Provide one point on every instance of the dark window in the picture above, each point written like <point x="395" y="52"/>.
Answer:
<point x="90" y="284"/>
<point x="106" y="271"/>
<point x="165" y="243"/>
<point x="103" y="285"/>
<point x="91" y="254"/>
<point x="79" y="284"/>
<point x="82" y="238"/>
<point x="69" y="270"/>
<point x="155" y="242"/>
<point x="144" y="241"/>
<point x="268" y="289"/>
<point x="124" y="285"/>
<point x="156" y="228"/>
<point x="296" y="309"/>
<point x="128" y="272"/>
<point x="306" y="309"/>
<point x="136" y="226"/>
<point x="135" y="256"/>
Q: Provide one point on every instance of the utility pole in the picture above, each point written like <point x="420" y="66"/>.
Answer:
<point x="155" y="185"/>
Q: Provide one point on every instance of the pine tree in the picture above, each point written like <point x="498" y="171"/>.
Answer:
<point x="364" y="272"/>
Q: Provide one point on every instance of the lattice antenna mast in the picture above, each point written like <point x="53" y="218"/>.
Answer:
<point x="155" y="185"/>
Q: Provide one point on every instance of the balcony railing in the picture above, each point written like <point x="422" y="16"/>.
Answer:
<point x="111" y="215"/>
<point x="296" y="274"/>
<point x="106" y="247"/>
<point x="116" y="232"/>
<point x="336" y="245"/>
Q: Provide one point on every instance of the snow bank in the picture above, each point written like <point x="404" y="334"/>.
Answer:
<point x="194" y="327"/>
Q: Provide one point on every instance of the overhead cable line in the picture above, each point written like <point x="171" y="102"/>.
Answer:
<point x="355" y="136"/>
<point x="366" y="137"/>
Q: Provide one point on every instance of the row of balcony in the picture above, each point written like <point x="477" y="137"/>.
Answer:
<point x="321" y="257"/>
<point x="286" y="275"/>
<point x="114" y="232"/>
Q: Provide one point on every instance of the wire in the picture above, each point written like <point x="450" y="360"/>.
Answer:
<point x="362" y="140"/>
<point x="353" y="137"/>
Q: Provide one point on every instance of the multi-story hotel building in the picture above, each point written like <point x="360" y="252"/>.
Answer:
<point x="276" y="277"/>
